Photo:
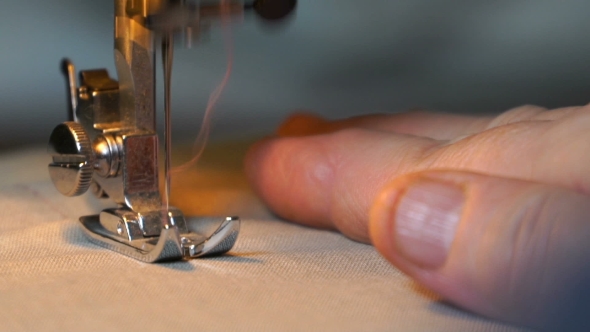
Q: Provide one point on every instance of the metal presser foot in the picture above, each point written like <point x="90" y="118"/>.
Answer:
<point x="111" y="229"/>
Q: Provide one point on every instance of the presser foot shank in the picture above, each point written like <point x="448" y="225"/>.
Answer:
<point x="176" y="241"/>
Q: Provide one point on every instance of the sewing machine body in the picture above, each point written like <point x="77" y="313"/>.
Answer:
<point x="110" y="145"/>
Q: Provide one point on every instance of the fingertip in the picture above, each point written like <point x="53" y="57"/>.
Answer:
<point x="292" y="176"/>
<point x="260" y="166"/>
<point x="254" y="156"/>
<point x="414" y="220"/>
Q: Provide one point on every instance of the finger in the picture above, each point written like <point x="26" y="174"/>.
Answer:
<point x="438" y="126"/>
<point x="507" y="249"/>
<point x="330" y="180"/>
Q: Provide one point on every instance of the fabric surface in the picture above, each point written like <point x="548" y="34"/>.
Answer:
<point x="279" y="277"/>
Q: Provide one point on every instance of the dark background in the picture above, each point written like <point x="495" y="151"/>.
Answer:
<point x="337" y="57"/>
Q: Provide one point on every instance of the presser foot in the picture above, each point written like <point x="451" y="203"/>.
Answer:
<point x="121" y="231"/>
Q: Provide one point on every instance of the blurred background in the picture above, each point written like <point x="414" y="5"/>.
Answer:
<point x="336" y="57"/>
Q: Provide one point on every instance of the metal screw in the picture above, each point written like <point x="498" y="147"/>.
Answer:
<point x="83" y="93"/>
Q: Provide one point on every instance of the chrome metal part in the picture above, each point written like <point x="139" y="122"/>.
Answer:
<point x="111" y="146"/>
<point x="188" y="20"/>
<point x="71" y="166"/>
<point x="107" y="149"/>
<point x="96" y="189"/>
<point x="171" y="244"/>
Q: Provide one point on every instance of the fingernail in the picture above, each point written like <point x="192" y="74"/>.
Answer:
<point x="426" y="220"/>
<point x="301" y="124"/>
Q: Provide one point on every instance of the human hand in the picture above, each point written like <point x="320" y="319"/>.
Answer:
<point x="490" y="213"/>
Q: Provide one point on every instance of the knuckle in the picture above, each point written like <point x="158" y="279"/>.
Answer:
<point x="348" y="207"/>
<point x="519" y="114"/>
<point x="528" y="239"/>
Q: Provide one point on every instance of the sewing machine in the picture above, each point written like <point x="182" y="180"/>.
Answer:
<point x="110" y="145"/>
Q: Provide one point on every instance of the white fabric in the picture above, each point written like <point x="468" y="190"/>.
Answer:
<point x="279" y="277"/>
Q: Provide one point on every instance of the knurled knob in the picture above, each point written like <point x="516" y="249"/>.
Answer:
<point x="72" y="163"/>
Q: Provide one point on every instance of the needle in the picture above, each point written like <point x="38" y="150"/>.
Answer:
<point x="167" y="59"/>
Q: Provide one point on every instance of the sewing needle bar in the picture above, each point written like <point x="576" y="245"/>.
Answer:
<point x="167" y="59"/>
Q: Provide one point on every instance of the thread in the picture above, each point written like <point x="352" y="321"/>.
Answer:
<point x="203" y="136"/>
